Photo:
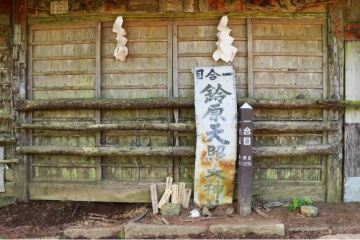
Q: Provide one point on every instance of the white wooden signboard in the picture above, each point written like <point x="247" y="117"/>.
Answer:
<point x="216" y="129"/>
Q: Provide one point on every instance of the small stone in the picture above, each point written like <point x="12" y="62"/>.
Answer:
<point x="206" y="212"/>
<point x="230" y="210"/>
<point x="194" y="213"/>
<point x="309" y="211"/>
<point x="171" y="209"/>
<point x="208" y="204"/>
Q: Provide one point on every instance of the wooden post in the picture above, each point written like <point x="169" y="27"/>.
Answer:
<point x="186" y="199"/>
<point x="245" y="159"/>
<point x="165" y="198"/>
<point x="154" y="199"/>
<point x="175" y="193"/>
<point x="181" y="192"/>
<point x="352" y="124"/>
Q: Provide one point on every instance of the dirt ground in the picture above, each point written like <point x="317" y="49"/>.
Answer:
<point x="48" y="219"/>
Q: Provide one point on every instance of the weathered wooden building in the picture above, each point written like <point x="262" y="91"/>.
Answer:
<point x="76" y="124"/>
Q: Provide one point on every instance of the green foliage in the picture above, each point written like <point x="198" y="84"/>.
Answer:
<point x="299" y="202"/>
<point x="122" y="235"/>
<point x="62" y="208"/>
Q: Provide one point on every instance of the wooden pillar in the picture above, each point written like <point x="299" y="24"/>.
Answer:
<point x="352" y="123"/>
<point x="245" y="159"/>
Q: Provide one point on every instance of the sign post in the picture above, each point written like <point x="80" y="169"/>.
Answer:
<point x="245" y="159"/>
<point x="216" y="138"/>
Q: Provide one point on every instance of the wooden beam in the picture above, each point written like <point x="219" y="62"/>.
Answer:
<point x="285" y="126"/>
<point x="115" y="126"/>
<point x="152" y="103"/>
<point x="9" y="161"/>
<point x="282" y="151"/>
<point x="7" y="140"/>
<point x="292" y="126"/>
<point x="108" y="151"/>
<point x="172" y="15"/>
<point x="340" y="103"/>
<point x="274" y="151"/>
<point x="116" y="192"/>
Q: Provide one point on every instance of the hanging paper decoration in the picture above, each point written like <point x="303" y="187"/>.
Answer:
<point x="225" y="50"/>
<point x="121" y="51"/>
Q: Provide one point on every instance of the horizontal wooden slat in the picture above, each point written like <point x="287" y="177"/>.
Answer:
<point x="105" y="192"/>
<point x="289" y="70"/>
<point x="130" y="192"/>
<point x="273" y="151"/>
<point x="274" y="193"/>
<point x="57" y="73"/>
<point x="289" y="86"/>
<point x="287" y="54"/>
<point x="258" y="126"/>
<point x="289" y="166"/>
<point x="149" y="103"/>
<point x="287" y="126"/>
<point x="173" y="15"/>
<point x="108" y="151"/>
<point x="282" y="151"/>
<point x="115" y="126"/>
<point x="7" y="140"/>
<point x="6" y="116"/>
<point x="340" y="103"/>
<point x="9" y="161"/>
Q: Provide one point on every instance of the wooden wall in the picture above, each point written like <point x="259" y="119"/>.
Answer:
<point x="91" y="135"/>
<point x="6" y="117"/>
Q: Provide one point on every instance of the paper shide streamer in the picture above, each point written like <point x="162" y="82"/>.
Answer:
<point x="121" y="50"/>
<point x="225" y="50"/>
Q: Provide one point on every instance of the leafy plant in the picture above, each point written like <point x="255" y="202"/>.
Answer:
<point x="61" y="208"/>
<point x="122" y="235"/>
<point x="299" y="202"/>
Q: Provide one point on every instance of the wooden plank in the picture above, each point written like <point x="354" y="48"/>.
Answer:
<point x="154" y="199"/>
<point x="175" y="15"/>
<point x="98" y="95"/>
<point x="107" y="151"/>
<point x="352" y="115"/>
<point x="188" y="127"/>
<point x="181" y="192"/>
<point x="352" y="150"/>
<point x="152" y="103"/>
<point x="170" y="6"/>
<point x="245" y="169"/>
<point x="189" y="5"/>
<point x="115" y="192"/>
<point x="277" y="193"/>
<point x="175" y="85"/>
<point x="174" y="193"/>
<point x="165" y="197"/>
<point x="295" y="150"/>
<point x="216" y="140"/>
<point x="267" y="151"/>
<point x="250" y="60"/>
<point x="186" y="199"/>
<point x="9" y="161"/>
<point x="168" y="183"/>
<point x="203" y="5"/>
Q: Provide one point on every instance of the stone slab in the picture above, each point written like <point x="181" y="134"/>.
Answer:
<point x="341" y="236"/>
<point x="137" y="230"/>
<point x="93" y="232"/>
<point x="260" y="229"/>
